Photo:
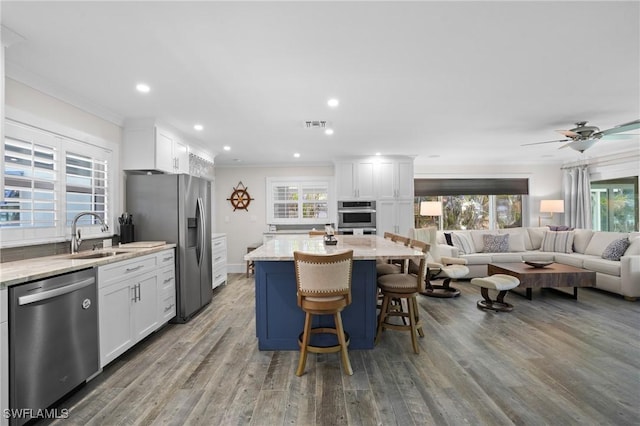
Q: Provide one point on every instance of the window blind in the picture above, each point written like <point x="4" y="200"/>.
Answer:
<point x="29" y="199"/>
<point x="86" y="188"/>
<point x="433" y="187"/>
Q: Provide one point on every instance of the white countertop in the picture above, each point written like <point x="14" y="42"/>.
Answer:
<point x="22" y="271"/>
<point x="288" y="231"/>
<point x="365" y="247"/>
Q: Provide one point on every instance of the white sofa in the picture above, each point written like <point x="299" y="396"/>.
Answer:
<point x="621" y="277"/>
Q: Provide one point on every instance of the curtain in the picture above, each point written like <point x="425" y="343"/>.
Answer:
<point x="577" y="197"/>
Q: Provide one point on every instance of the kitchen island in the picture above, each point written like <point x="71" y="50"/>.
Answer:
<point x="279" y="320"/>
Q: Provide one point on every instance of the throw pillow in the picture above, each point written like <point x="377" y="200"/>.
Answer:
<point x="516" y="242"/>
<point x="495" y="243"/>
<point x="616" y="249"/>
<point x="559" y="228"/>
<point x="463" y="243"/>
<point x="557" y="241"/>
<point x="447" y="237"/>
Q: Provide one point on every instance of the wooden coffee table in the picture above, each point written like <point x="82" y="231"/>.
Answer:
<point x="552" y="276"/>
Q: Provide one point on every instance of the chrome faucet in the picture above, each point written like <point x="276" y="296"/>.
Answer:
<point x="76" y="238"/>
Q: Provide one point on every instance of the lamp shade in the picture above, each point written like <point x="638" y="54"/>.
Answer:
<point x="431" y="208"/>
<point x="552" y="206"/>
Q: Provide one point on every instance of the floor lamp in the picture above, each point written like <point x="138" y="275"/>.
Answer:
<point x="431" y="208"/>
<point x="550" y="206"/>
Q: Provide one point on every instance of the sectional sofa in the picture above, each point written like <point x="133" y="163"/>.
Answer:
<point x="582" y="248"/>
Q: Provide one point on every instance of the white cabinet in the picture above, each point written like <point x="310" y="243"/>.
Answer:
<point x="375" y="178"/>
<point x="4" y="355"/>
<point x="132" y="296"/>
<point x="395" y="179"/>
<point x="147" y="146"/>
<point x="356" y="179"/>
<point x="219" y="259"/>
<point x="167" y="286"/>
<point x="394" y="216"/>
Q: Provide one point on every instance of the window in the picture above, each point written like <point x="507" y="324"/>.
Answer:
<point x="86" y="188"/>
<point x="48" y="179"/>
<point x="473" y="203"/>
<point x="614" y="204"/>
<point x="30" y="175"/>
<point x="298" y="200"/>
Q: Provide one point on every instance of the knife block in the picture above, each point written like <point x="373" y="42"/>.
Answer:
<point x="126" y="233"/>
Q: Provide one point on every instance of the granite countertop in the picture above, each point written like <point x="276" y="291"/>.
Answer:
<point x="22" y="271"/>
<point x="365" y="247"/>
<point x="289" y="231"/>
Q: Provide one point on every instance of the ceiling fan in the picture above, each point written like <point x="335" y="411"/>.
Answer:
<point x="583" y="137"/>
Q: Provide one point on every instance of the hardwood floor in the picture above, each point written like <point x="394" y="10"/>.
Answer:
<point x="552" y="360"/>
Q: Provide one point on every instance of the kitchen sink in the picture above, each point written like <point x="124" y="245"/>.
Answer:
<point x="95" y="254"/>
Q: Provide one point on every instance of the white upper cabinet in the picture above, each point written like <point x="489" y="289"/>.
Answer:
<point x="395" y="179"/>
<point x="373" y="178"/>
<point x="356" y="179"/>
<point x="148" y="146"/>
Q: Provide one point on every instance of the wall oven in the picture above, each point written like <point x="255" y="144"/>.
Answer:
<point x="359" y="215"/>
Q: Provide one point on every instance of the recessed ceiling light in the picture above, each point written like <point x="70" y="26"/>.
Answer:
<point x="333" y="102"/>
<point x="297" y="155"/>
<point x="143" y="88"/>
<point x="377" y="153"/>
<point x="434" y="156"/>
<point x="226" y="148"/>
<point x="328" y="131"/>
<point x="198" y="127"/>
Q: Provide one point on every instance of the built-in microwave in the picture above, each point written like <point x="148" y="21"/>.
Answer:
<point x="356" y="214"/>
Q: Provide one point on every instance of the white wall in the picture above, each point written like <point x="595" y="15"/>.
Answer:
<point x="246" y="227"/>
<point x="45" y="107"/>
<point x="545" y="182"/>
<point x="25" y="104"/>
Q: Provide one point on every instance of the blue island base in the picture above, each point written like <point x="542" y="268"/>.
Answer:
<point x="279" y="319"/>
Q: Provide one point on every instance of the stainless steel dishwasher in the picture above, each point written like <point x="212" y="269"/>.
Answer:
<point x="53" y="339"/>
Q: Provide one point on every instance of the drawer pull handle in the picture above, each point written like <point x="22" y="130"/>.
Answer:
<point x="166" y="259"/>
<point x="217" y="258"/>
<point x="168" y="280"/>
<point x="134" y="269"/>
<point x="168" y="308"/>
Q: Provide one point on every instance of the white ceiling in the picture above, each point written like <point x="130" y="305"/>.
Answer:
<point x="450" y="82"/>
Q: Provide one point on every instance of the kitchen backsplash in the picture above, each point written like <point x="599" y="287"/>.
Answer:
<point x="12" y="254"/>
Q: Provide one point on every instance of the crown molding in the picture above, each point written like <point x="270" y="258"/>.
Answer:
<point x="37" y="82"/>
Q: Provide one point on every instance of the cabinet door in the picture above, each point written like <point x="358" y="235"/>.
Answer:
<point x="164" y="152"/>
<point x="145" y="307"/>
<point x="115" y="320"/>
<point x="387" y="177"/>
<point x="404" y="180"/>
<point x="345" y="173"/>
<point x="404" y="216"/>
<point x="181" y="155"/>
<point x="366" y="180"/>
<point x="386" y="217"/>
<point x="394" y="216"/>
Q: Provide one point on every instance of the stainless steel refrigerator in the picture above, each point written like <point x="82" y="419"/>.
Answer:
<point x="175" y="209"/>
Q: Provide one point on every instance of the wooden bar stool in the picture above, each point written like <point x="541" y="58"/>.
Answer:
<point x="404" y="286"/>
<point x="250" y="265"/>
<point x="393" y="266"/>
<point x="324" y="288"/>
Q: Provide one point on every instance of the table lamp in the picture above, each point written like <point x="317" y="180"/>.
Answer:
<point x="550" y="206"/>
<point x="431" y="208"/>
